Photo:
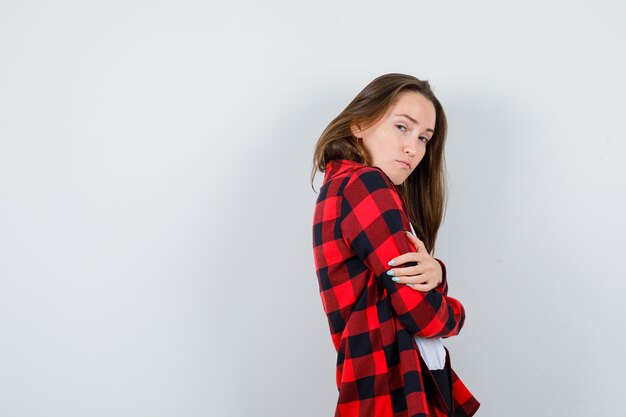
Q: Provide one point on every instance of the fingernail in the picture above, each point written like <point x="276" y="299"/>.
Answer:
<point x="409" y="285"/>
<point x="408" y="233"/>
<point x="391" y="262"/>
<point x="395" y="279"/>
<point x="390" y="273"/>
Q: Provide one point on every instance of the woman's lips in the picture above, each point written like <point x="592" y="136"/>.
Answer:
<point x="405" y="164"/>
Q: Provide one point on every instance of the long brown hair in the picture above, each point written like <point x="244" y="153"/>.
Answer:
<point x="425" y="189"/>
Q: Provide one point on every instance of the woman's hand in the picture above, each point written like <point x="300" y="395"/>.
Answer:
<point x="424" y="276"/>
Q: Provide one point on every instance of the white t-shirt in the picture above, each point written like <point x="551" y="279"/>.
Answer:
<point x="432" y="352"/>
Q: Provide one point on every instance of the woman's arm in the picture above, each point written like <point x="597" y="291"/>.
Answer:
<point x="373" y="224"/>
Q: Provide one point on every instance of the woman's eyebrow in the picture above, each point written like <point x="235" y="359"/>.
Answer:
<point x="413" y="120"/>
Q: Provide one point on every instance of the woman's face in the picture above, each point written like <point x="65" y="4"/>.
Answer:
<point x="397" y="142"/>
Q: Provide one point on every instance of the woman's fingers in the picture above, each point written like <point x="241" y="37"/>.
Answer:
<point x="421" y="282"/>
<point x="408" y="257"/>
<point x="418" y="243"/>
<point x="406" y="271"/>
<point x="425" y="287"/>
<point x="414" y="279"/>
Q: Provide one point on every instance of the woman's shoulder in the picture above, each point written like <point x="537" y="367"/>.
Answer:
<point x="355" y="183"/>
<point x="355" y="172"/>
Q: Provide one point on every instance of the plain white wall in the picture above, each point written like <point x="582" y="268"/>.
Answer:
<point x="155" y="206"/>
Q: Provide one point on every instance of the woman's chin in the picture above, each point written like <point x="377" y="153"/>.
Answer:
<point x="398" y="178"/>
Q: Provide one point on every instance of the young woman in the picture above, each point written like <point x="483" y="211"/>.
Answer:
<point x="385" y="296"/>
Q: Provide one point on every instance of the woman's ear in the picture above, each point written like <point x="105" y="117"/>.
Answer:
<point x="356" y="130"/>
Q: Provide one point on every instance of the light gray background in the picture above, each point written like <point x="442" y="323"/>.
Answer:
<point x="155" y="206"/>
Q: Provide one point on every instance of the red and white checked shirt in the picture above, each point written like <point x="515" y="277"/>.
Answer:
<point x="358" y="226"/>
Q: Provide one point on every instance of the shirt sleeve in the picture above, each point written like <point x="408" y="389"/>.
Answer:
<point x="373" y="224"/>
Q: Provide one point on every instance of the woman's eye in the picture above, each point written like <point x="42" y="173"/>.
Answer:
<point x="424" y="139"/>
<point x="401" y="128"/>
